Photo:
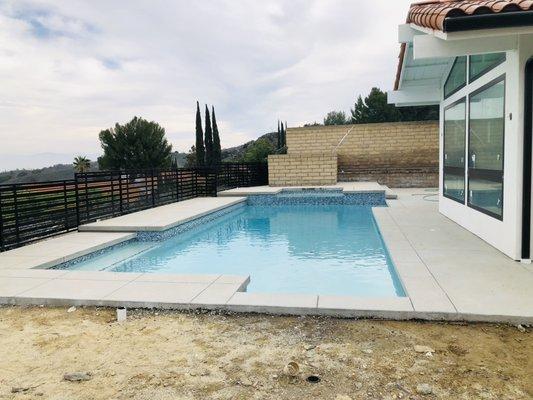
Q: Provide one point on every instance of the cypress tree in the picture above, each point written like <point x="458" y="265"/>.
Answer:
<point x="199" y="147"/>
<point x="217" y="151"/>
<point x="208" y="139"/>
<point x="279" y="137"/>
<point x="282" y="136"/>
<point x="285" y="135"/>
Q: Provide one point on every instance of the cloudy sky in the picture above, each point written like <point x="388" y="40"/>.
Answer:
<point x="69" y="69"/>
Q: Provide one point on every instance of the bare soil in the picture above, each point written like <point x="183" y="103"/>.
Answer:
<point x="171" y="355"/>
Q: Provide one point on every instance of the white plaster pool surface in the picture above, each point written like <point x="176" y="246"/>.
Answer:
<point x="447" y="272"/>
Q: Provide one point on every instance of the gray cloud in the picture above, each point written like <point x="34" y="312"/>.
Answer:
<point x="70" y="69"/>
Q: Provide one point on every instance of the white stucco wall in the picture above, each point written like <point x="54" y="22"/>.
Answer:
<point x="505" y="235"/>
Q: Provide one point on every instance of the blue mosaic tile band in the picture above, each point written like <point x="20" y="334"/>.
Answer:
<point x="318" y="197"/>
<point x="150" y="236"/>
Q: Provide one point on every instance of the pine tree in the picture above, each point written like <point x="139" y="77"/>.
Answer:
<point x="217" y="151"/>
<point x="208" y="139"/>
<point x="138" y="144"/>
<point x="200" y="150"/>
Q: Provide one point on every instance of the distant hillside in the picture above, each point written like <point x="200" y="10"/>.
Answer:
<point x="56" y="172"/>
<point x="234" y="154"/>
<point x="60" y="172"/>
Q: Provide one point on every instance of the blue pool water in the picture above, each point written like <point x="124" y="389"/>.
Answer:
<point x="315" y="249"/>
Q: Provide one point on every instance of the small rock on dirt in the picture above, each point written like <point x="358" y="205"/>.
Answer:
<point x="423" y="349"/>
<point x="343" y="397"/>
<point x="71" y="309"/>
<point x="291" y="369"/>
<point x="424" y="389"/>
<point x="367" y="351"/>
<point x="520" y="328"/>
<point x="19" y="389"/>
<point x="77" y="376"/>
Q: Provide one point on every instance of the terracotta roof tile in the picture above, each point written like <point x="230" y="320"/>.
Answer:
<point x="431" y="14"/>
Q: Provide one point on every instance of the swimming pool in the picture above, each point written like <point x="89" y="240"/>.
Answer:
<point x="327" y="249"/>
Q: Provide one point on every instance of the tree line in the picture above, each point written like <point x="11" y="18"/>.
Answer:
<point x="374" y="108"/>
<point x="141" y="144"/>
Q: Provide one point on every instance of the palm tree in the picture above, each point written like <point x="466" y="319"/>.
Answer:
<point x="81" y="164"/>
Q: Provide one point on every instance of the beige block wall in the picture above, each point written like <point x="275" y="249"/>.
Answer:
<point x="302" y="169"/>
<point x="395" y="144"/>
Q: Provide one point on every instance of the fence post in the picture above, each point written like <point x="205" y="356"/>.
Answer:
<point x="177" y="186"/>
<point x="195" y="182"/>
<point x="153" y="194"/>
<point x="127" y="191"/>
<point x="16" y="212"/>
<point x="76" y="188"/>
<point x="206" y="183"/>
<point x="86" y="198"/>
<point x="1" y="224"/>
<point x="120" y="192"/>
<point x="65" y="205"/>
<point x="112" y="195"/>
<point x="216" y="182"/>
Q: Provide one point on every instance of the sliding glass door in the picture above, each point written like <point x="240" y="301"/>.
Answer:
<point x="485" y="150"/>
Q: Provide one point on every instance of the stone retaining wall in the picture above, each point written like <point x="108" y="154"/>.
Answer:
<point x="391" y="144"/>
<point x="398" y="154"/>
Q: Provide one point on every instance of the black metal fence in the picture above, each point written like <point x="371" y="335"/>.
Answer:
<point x="33" y="211"/>
<point x="241" y="175"/>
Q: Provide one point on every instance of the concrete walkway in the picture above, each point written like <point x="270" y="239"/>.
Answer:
<point x="447" y="269"/>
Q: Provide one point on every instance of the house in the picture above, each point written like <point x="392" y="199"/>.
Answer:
<point x="475" y="59"/>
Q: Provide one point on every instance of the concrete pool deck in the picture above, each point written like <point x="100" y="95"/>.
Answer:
<point x="448" y="273"/>
<point x="163" y="217"/>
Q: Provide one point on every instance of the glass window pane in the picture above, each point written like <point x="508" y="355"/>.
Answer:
<point x="487" y="195"/>
<point x="457" y="76"/>
<point x="482" y="63"/>
<point x="454" y="150"/>
<point x="454" y="135"/>
<point x="486" y="128"/>
<point x="485" y="158"/>
<point x="454" y="186"/>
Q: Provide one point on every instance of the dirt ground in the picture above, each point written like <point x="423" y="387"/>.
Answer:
<point x="171" y="355"/>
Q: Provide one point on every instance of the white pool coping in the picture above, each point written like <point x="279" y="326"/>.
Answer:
<point x="424" y="245"/>
<point x="345" y="187"/>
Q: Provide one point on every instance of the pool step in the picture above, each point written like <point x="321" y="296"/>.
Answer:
<point x="108" y="258"/>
